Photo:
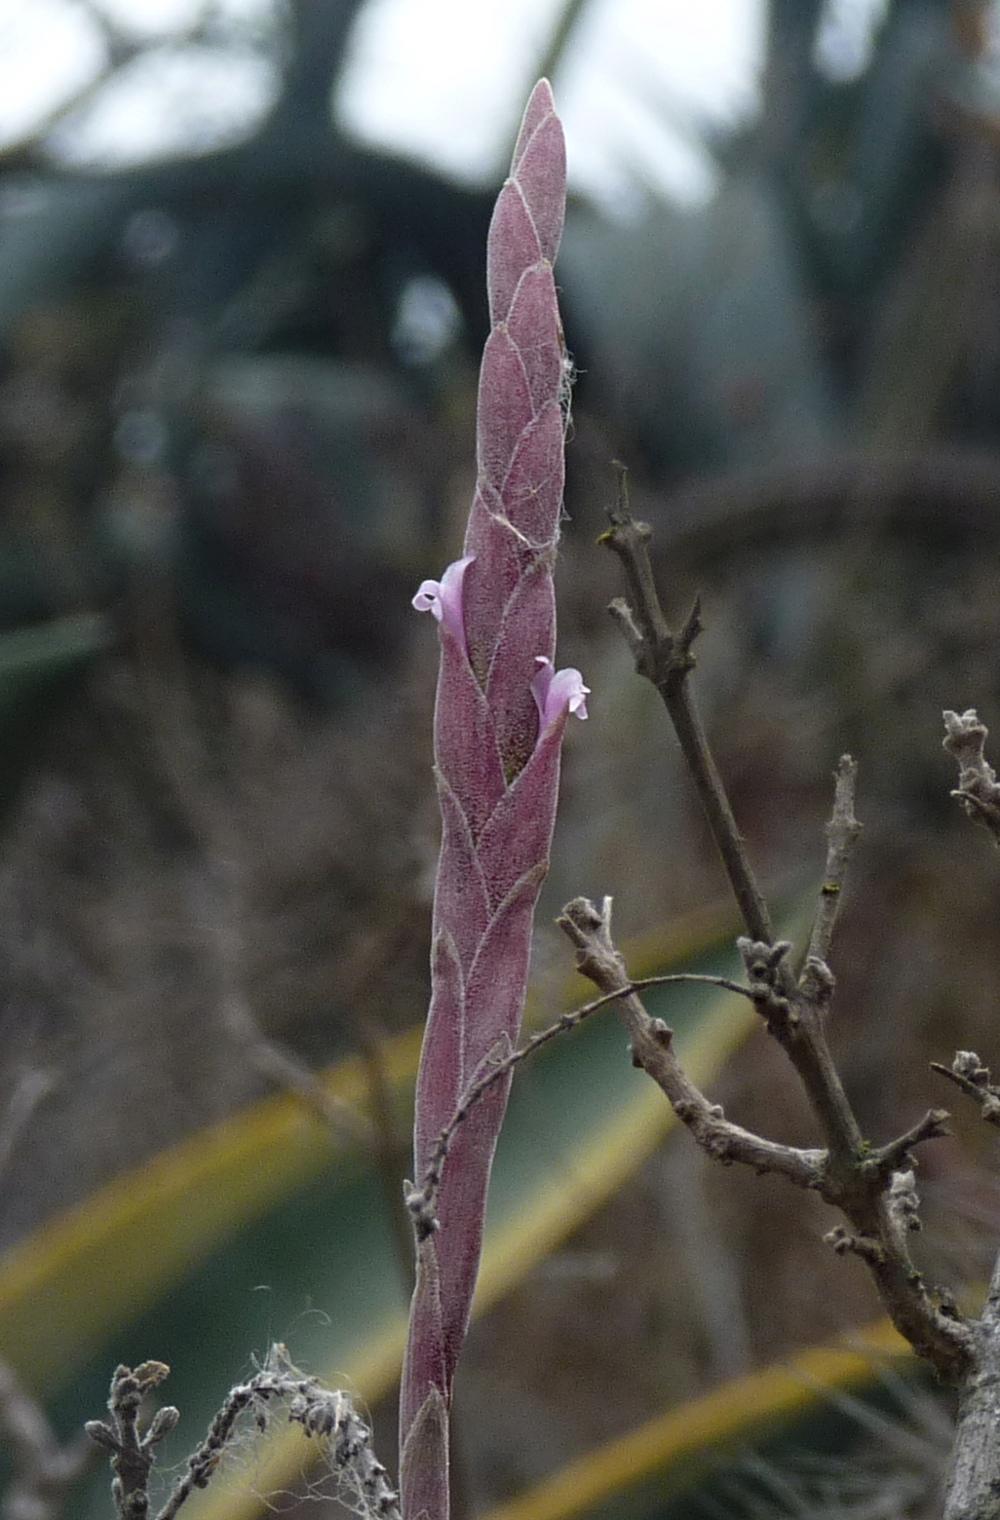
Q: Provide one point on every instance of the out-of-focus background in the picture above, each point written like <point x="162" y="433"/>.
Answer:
<point x="241" y="305"/>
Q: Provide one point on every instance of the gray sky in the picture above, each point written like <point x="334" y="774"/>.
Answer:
<point x="442" y="80"/>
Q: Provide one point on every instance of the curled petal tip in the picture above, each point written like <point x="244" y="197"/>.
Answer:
<point x="557" y="692"/>
<point x="443" y="598"/>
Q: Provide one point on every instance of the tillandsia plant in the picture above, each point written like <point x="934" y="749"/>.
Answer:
<point x="500" y="714"/>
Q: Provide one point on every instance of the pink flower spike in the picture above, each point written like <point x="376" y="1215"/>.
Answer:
<point x="497" y="771"/>
<point x="557" y="692"/>
<point x="444" y="597"/>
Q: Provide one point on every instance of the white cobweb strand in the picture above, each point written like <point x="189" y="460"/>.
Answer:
<point x="327" y="1415"/>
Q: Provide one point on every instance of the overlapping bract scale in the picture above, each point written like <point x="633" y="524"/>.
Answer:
<point x="498" y="774"/>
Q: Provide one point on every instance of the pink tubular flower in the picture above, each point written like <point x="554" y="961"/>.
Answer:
<point x="499" y="718"/>
<point x="558" y="692"/>
<point x="444" y="597"/>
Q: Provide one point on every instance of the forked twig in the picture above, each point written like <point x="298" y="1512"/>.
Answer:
<point x="665" y="658"/>
<point x="324" y="1413"/>
<point x="968" y="1072"/>
<point x="842" y="833"/>
<point x="133" y="1451"/>
<point x="978" y="790"/>
<point x="869" y="1186"/>
<point x="874" y="1188"/>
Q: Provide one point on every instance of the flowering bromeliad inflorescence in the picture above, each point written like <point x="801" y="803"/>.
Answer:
<point x="498" y="727"/>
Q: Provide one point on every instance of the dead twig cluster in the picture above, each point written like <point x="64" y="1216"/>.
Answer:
<point x="977" y="790"/>
<point x="326" y="1414"/>
<point x="873" y="1186"/>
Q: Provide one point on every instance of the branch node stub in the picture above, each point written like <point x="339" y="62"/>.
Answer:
<point x="690" y="629"/>
<point x="968" y="1072"/>
<point x="163" y="1422"/>
<point x="947" y="1303"/>
<point x="623" y="615"/>
<point x="965" y="734"/>
<point x="977" y="790"/>
<point x="764" y="968"/>
<point x="817" y="982"/>
<point x="580" y="917"/>
<point x="147" y="1375"/>
<point x="759" y="957"/>
<point x="419" y="1203"/>
<point x="968" y="1065"/>
<point x="844" y="1243"/>
<point x="102" y="1435"/>
<point x="904" y="1202"/>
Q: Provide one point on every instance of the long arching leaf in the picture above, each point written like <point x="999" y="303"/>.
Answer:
<point x="265" y="1228"/>
<point x="670" y="1455"/>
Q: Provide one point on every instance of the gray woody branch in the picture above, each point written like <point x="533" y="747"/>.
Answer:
<point x="977" y="790"/>
<point x="973" y="1491"/>
<point x="873" y="1187"/>
<point x="326" y="1414"/>
<point x="974" y="1484"/>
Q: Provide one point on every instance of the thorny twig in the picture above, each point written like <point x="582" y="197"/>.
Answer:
<point x="652" y="1049"/>
<point x="132" y="1453"/>
<point x="793" y="1011"/>
<point x="973" y="1492"/>
<point x="665" y="658"/>
<point x="869" y="1187"/>
<point x="327" y="1414"/>
<point x="842" y="833"/>
<point x="421" y="1202"/>
<point x="977" y="790"/>
<point x="873" y="1187"/>
<point x="968" y="1072"/>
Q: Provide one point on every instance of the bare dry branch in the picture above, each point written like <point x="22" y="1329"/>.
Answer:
<point x="32" y="1087"/>
<point x="665" y="658"/>
<point x="842" y="833"/>
<point x="887" y="1159"/>
<point x="132" y="1453"/>
<point x="969" y="1073"/>
<point x="869" y="1186"/>
<point x="796" y="1016"/>
<point x="652" y="1048"/>
<point x="324" y="1413"/>
<point x="977" y="790"/>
